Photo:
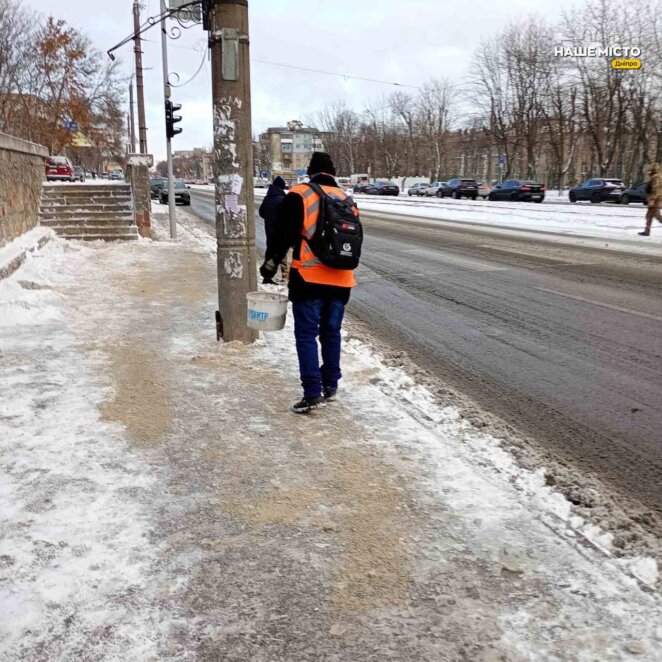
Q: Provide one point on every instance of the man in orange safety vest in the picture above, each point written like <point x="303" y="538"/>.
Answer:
<point x="318" y="292"/>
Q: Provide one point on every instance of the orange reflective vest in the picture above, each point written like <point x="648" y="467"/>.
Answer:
<point x="309" y="266"/>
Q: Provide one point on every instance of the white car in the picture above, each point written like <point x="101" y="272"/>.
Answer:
<point x="435" y="189"/>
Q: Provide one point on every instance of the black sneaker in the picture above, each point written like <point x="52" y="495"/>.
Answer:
<point x="307" y="405"/>
<point x="330" y="394"/>
<point x="645" y="233"/>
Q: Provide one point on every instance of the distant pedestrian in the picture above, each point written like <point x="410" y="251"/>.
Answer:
<point x="94" y="174"/>
<point x="270" y="212"/>
<point x="322" y="223"/>
<point x="653" y="197"/>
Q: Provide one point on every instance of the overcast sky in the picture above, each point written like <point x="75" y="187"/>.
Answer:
<point x="393" y="40"/>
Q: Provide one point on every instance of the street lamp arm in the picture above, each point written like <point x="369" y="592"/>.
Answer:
<point x="149" y="23"/>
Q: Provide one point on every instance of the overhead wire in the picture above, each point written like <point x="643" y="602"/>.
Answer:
<point x="333" y="73"/>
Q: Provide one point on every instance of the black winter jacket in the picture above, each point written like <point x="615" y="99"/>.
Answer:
<point x="270" y="210"/>
<point x="290" y="223"/>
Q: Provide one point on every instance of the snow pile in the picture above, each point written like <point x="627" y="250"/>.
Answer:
<point x="15" y="250"/>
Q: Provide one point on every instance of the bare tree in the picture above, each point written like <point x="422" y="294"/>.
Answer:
<point x="435" y="108"/>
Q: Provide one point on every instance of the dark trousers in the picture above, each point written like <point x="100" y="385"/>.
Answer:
<point x="651" y="213"/>
<point x="315" y="318"/>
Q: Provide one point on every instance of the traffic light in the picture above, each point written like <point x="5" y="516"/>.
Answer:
<point x="172" y="119"/>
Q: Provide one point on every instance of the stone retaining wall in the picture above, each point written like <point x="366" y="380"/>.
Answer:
<point x="21" y="175"/>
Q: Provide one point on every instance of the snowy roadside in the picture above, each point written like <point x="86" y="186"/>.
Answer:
<point x="602" y="221"/>
<point x="159" y="500"/>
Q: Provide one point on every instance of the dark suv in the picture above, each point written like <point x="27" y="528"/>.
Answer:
<point x="598" y="190"/>
<point x="460" y="188"/>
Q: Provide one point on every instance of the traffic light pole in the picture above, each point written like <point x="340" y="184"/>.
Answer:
<point x="166" y="98"/>
<point x="233" y="166"/>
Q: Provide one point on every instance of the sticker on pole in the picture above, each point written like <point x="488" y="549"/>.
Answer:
<point x="231" y="203"/>
<point x="231" y="183"/>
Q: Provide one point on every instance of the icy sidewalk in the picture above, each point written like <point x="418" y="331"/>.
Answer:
<point x="159" y="502"/>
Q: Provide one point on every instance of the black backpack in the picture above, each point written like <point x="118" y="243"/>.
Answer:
<point x="339" y="234"/>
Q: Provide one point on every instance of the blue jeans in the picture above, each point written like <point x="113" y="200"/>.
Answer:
<point x="312" y="318"/>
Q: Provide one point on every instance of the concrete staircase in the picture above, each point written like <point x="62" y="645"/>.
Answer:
<point x="88" y="212"/>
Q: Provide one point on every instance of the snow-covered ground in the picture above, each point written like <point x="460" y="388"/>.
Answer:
<point x="121" y="420"/>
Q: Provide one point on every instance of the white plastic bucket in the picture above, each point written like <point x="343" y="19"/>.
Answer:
<point x="266" y="310"/>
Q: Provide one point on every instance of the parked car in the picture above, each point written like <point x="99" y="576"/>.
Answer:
<point x="79" y="174"/>
<point x="383" y="188"/>
<point x="59" y="168"/>
<point x="435" y="189"/>
<point x="155" y="186"/>
<point x="181" y="193"/>
<point x="345" y="184"/>
<point x="417" y="189"/>
<point x="598" y="190"/>
<point x="634" y="194"/>
<point x="484" y="190"/>
<point x="460" y="188"/>
<point x="361" y="187"/>
<point x="518" y="190"/>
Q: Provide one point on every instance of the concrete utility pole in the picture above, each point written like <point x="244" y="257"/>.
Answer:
<point x="166" y="97"/>
<point x="138" y="51"/>
<point x="233" y="166"/>
<point x="132" y="126"/>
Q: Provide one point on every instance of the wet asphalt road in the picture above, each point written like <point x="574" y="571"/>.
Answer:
<point x="563" y="342"/>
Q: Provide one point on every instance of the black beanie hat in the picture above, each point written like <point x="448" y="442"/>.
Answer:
<point x="280" y="183"/>
<point x="321" y="162"/>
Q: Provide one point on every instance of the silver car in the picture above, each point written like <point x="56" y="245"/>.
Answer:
<point x="435" y="189"/>
<point x="417" y="189"/>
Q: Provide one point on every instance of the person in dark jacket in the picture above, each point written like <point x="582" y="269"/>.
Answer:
<point x="318" y="309"/>
<point x="653" y="198"/>
<point x="270" y="211"/>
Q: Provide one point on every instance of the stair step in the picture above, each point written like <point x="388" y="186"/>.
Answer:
<point x="109" y="230"/>
<point x="86" y="187"/>
<point x="100" y="237"/>
<point x="78" y="211"/>
<point x="73" y="223"/>
<point x="87" y="220"/>
<point x="92" y="213"/>
<point x="87" y="202"/>
<point x="58" y="193"/>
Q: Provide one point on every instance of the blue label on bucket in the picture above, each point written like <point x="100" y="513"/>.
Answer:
<point x="256" y="315"/>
